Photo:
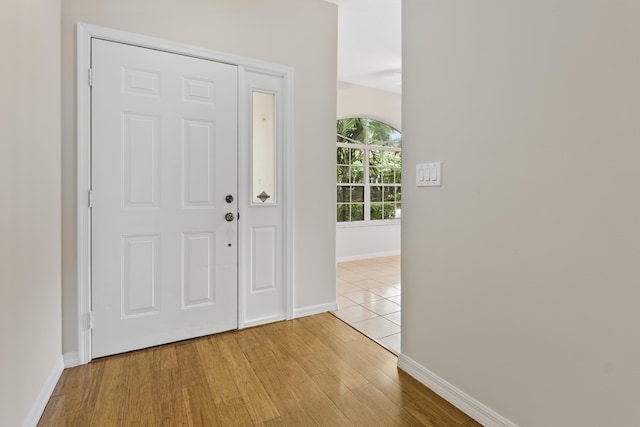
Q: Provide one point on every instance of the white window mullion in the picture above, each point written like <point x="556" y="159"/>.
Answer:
<point x="367" y="189"/>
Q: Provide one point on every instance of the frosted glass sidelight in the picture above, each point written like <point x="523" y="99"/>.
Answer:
<point x="263" y="147"/>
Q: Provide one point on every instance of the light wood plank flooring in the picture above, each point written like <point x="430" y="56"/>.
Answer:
<point x="310" y="371"/>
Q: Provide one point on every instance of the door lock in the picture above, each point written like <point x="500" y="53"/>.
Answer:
<point x="228" y="217"/>
<point x="229" y="198"/>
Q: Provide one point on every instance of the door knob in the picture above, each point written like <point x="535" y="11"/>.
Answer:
<point x="228" y="217"/>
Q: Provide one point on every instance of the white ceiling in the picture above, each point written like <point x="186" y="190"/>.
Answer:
<point x="369" y="43"/>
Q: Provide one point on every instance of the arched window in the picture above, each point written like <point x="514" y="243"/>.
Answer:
<point x="369" y="170"/>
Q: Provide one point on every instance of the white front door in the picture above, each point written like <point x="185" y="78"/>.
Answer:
<point x="163" y="161"/>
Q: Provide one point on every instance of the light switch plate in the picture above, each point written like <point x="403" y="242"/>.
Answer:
<point x="429" y="174"/>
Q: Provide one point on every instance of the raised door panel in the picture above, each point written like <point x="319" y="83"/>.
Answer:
<point x="140" y="275"/>
<point x="198" y="163"/>
<point x="198" y="266"/>
<point x="263" y="255"/>
<point x="140" y="160"/>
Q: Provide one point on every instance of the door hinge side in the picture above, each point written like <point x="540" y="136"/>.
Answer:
<point x="90" y="77"/>
<point x="90" y="198"/>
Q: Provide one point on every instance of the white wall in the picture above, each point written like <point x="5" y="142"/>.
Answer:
<point x="361" y="101"/>
<point x="30" y="312"/>
<point x="356" y="241"/>
<point x="520" y="275"/>
<point x="252" y="28"/>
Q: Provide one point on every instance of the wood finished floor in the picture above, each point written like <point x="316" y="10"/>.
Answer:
<point x="310" y="371"/>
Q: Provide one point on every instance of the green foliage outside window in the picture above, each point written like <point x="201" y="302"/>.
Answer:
<point x="368" y="132"/>
<point x="373" y="151"/>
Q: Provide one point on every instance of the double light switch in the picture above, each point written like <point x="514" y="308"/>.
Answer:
<point x="428" y="174"/>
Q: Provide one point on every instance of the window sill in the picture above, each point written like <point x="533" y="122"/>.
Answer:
<point x="375" y="223"/>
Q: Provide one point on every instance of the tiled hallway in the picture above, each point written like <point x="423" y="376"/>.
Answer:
<point x="369" y="298"/>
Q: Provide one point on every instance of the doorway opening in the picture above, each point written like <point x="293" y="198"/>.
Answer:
<point x="369" y="210"/>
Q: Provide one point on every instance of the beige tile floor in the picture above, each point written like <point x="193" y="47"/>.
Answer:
<point x="369" y="298"/>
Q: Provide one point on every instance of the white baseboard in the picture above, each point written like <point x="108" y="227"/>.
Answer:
<point x="45" y="394"/>
<point x="367" y="256"/>
<point x="298" y="312"/>
<point x="261" y="321"/>
<point x="314" y="309"/>
<point x="467" y="404"/>
<point x="71" y="359"/>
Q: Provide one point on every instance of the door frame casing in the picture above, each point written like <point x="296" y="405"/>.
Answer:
<point x="85" y="32"/>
